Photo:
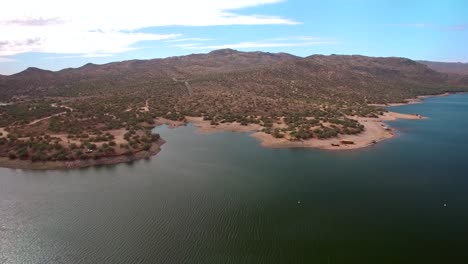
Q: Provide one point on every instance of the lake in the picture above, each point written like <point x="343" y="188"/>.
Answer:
<point x="222" y="198"/>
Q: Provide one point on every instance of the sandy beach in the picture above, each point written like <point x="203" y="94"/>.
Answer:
<point x="417" y="100"/>
<point x="171" y="123"/>
<point x="407" y="101"/>
<point x="205" y="126"/>
<point x="375" y="131"/>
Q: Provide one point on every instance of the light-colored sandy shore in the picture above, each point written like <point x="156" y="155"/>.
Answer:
<point x="391" y="116"/>
<point x="436" y="95"/>
<point x="205" y="127"/>
<point x="3" y="132"/>
<point x="171" y="123"/>
<point x="417" y="100"/>
<point x="375" y="131"/>
<point x="407" y="101"/>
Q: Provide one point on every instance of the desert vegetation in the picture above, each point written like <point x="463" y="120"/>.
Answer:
<point x="108" y="110"/>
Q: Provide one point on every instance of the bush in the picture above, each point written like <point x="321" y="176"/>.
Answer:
<point x="301" y="134"/>
<point x="92" y="146"/>
<point x="23" y="153"/>
<point x="12" y="155"/>
<point x="326" y="132"/>
<point x="147" y="146"/>
<point x="277" y="134"/>
<point x="61" y="156"/>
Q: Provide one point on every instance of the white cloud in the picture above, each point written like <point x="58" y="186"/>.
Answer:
<point x="61" y="40"/>
<point x="188" y="39"/>
<point x="187" y="45"/>
<point x="95" y="28"/>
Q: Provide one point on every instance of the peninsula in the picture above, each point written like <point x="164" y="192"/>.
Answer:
<point x="103" y="114"/>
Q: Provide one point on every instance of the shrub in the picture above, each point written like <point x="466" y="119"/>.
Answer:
<point x="12" y="155"/>
<point x="277" y="134"/>
<point x="147" y="146"/>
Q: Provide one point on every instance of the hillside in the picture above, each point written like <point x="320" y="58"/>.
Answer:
<point x="447" y="67"/>
<point x="109" y="108"/>
<point x="457" y="71"/>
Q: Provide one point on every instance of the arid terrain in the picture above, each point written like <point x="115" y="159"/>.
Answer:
<point x="105" y="112"/>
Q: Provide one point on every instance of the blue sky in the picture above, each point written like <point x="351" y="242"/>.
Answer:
<point x="54" y="36"/>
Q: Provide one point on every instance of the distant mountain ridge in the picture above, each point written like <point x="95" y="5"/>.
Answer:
<point x="457" y="71"/>
<point x="374" y="79"/>
<point x="218" y="60"/>
<point x="447" y="67"/>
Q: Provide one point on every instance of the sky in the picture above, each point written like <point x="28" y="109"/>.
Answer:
<point x="57" y="34"/>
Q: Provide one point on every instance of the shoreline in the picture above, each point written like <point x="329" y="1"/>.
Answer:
<point x="376" y="130"/>
<point x="418" y="100"/>
<point x="76" y="164"/>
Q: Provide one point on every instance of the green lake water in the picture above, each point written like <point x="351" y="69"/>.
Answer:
<point x="222" y="198"/>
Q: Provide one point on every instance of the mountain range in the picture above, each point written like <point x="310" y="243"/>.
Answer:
<point x="372" y="79"/>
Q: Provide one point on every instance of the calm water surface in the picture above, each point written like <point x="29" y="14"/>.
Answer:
<point x="222" y="198"/>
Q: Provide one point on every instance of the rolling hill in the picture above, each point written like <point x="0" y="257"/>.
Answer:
<point x="311" y="97"/>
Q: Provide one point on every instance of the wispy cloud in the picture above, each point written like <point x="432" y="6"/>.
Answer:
<point x="34" y="21"/>
<point x="60" y="40"/>
<point x="91" y="55"/>
<point x="188" y="39"/>
<point x="457" y="27"/>
<point x="6" y="59"/>
<point x="89" y="27"/>
<point x="413" y="25"/>
<point x="268" y="43"/>
<point x="432" y="26"/>
<point x="187" y="45"/>
<point x="12" y="47"/>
